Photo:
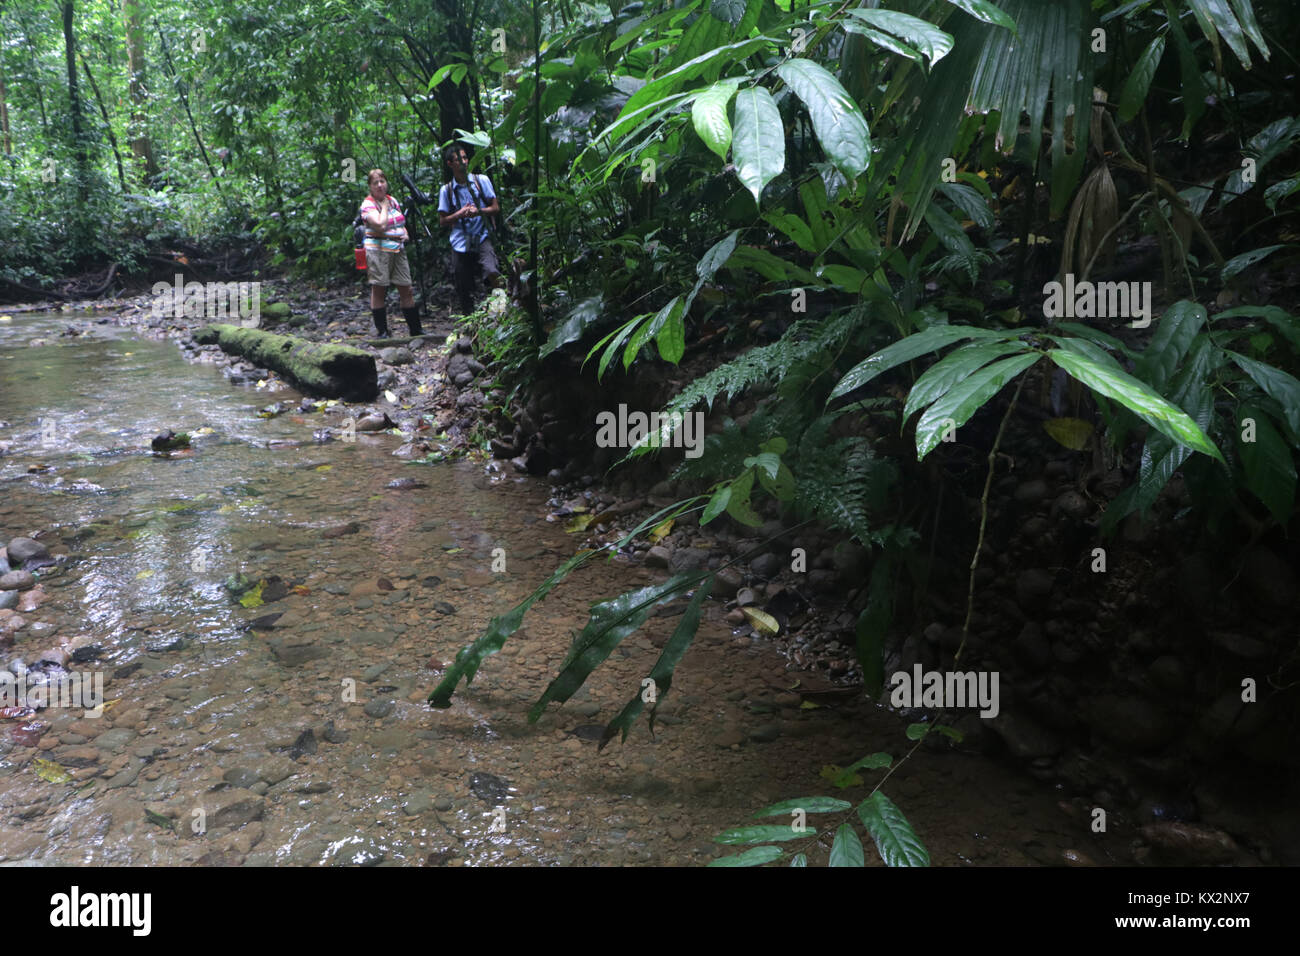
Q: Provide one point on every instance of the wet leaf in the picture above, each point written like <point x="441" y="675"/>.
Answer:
<point x="847" y="849"/>
<point x="755" y="857"/>
<point x="51" y="771"/>
<point x="253" y="597"/>
<point x="763" y="622"/>
<point x="661" y="532"/>
<point x="895" y="839"/>
<point x="808" y="705"/>
<point x="324" y="467"/>
<point x="806" y="804"/>
<point x="578" y="523"/>
<point x="159" y="819"/>
<point x="388" y="394"/>
<point x="146" y="573"/>
<point x="763" y="833"/>
<point x="1073" y="433"/>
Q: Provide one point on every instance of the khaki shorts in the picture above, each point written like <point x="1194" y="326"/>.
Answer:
<point x="388" y="268"/>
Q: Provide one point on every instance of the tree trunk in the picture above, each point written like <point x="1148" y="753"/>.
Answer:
<point x="141" y="147"/>
<point x="4" y="117"/>
<point x="108" y="123"/>
<point x="454" y="108"/>
<point x="79" y="230"/>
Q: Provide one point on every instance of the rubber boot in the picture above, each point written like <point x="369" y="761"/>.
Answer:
<point x="381" y="320"/>
<point x="412" y="314"/>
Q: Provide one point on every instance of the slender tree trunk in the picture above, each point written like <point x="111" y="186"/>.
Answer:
<point x="185" y="102"/>
<point x="141" y="147"/>
<point x="537" y="161"/>
<point x="108" y="123"/>
<point x="4" y="117"/>
<point x="74" y="104"/>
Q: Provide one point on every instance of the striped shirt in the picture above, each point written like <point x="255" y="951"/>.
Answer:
<point x="396" y="225"/>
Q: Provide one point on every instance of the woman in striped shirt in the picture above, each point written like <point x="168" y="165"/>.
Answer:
<point x="386" y="256"/>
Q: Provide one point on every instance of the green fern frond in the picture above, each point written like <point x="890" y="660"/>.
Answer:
<point x="767" y="363"/>
<point x="842" y="482"/>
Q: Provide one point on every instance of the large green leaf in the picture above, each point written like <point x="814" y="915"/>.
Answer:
<point x="914" y="346"/>
<point x="1136" y="396"/>
<point x="836" y="119"/>
<point x="1246" y="259"/>
<point x="1269" y="465"/>
<point x="610" y="622"/>
<point x="709" y="116"/>
<point x="662" y="672"/>
<point x="651" y="328"/>
<point x="847" y="848"/>
<point x="806" y="804"/>
<point x="882" y="39"/>
<point x="583" y="315"/>
<point x="759" y="142"/>
<point x="1139" y="81"/>
<point x="988" y="12"/>
<point x="954" y="369"/>
<point x="1282" y="320"/>
<point x="970" y="202"/>
<point x="763" y="833"/>
<point x="956" y="407"/>
<point x="755" y="857"/>
<point x="657" y="93"/>
<point x="895" y="839"/>
<point x="1180" y="324"/>
<point x="1216" y="15"/>
<point x="1194" y="89"/>
<point x="921" y="34"/>
<point x="1276" y="383"/>
<point x="951" y="234"/>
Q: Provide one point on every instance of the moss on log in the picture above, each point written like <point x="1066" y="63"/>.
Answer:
<point x="334" y="371"/>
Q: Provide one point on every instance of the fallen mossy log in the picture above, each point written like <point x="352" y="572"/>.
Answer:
<point x="334" y="371"/>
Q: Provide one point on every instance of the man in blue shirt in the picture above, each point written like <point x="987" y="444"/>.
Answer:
<point x="463" y="205"/>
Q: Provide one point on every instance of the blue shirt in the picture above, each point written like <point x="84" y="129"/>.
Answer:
<point x="467" y="233"/>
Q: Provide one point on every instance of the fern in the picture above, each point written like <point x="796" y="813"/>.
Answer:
<point x="842" y="482"/>
<point x="765" y="363"/>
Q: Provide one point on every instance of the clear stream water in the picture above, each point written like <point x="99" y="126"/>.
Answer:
<point x="201" y="755"/>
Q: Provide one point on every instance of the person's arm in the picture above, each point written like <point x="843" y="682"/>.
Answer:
<point x="491" y="207"/>
<point x="376" y="219"/>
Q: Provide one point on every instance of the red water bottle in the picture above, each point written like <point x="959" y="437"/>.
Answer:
<point x="359" y="252"/>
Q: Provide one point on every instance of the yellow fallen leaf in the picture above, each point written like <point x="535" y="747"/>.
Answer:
<point x="205" y="430"/>
<point x="324" y="467"/>
<point x="661" y="532"/>
<point x="253" y="597"/>
<point x="388" y="394"/>
<point x="578" y="523"/>
<point x="422" y="389"/>
<point x="147" y="573"/>
<point x="808" y="705"/>
<point x="763" y="622"/>
<point x="1073" y="433"/>
<point x="51" y="771"/>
